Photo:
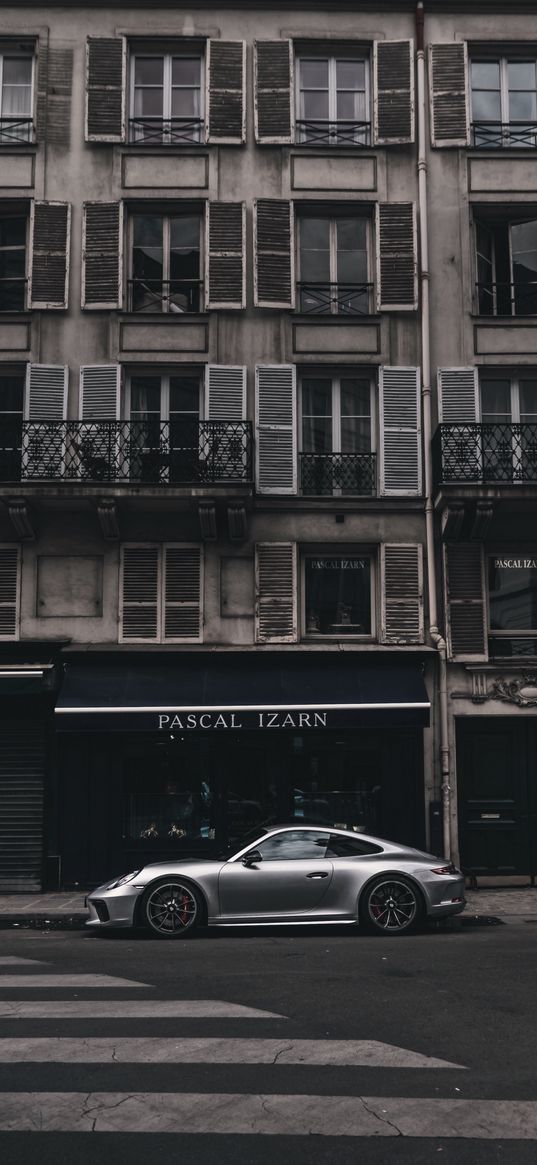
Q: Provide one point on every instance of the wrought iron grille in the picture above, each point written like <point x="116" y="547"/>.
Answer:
<point x="496" y="135"/>
<point x="351" y="299"/>
<point x="177" y="296"/>
<point x="507" y="299"/>
<point x="134" y="452"/>
<point x="12" y="294"/>
<point x="170" y="131"/>
<point x="326" y="474"/>
<point x="16" y="131"/>
<point x="333" y="133"/>
<point x="486" y="453"/>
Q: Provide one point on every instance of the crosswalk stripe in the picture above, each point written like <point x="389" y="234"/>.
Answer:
<point x="14" y="961"/>
<point x="150" y="1050"/>
<point x="268" y="1114"/>
<point x="130" y="1009"/>
<point x="66" y="981"/>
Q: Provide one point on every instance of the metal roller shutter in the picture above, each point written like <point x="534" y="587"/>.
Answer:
<point x="22" y="774"/>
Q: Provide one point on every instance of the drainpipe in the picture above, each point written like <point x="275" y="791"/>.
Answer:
<point x="436" y="637"/>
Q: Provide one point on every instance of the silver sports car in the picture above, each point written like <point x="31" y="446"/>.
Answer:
<point x="285" y="874"/>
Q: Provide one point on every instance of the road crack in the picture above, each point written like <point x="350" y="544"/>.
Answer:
<point x="381" y="1117"/>
<point x="286" y="1048"/>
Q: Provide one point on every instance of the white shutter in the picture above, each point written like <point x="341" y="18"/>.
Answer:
<point x="100" y="392"/>
<point x="45" y="407"/>
<point x="183" y="591"/>
<point x="449" y="92"/>
<point x="401" y="567"/>
<point x="276" y="437"/>
<point x="397" y="256"/>
<point x="274" y="253"/>
<point x="464" y="576"/>
<point x="273" y="92"/>
<point x="225" y="269"/>
<point x="400" y="432"/>
<point x="48" y="265"/>
<point x="102" y="255"/>
<point x="139" y="591"/>
<point x="276" y="592"/>
<point x="226" y="91"/>
<point x="106" y="70"/>
<point x="10" y="572"/>
<point x="225" y="393"/>
<point x="393" y="92"/>
<point x="458" y="396"/>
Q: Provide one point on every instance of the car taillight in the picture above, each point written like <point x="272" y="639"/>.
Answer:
<point x="450" y="869"/>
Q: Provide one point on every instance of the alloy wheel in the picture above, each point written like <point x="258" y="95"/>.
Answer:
<point x="392" y="906"/>
<point x="171" y="909"/>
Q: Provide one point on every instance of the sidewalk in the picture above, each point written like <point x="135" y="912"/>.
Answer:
<point x="68" y="908"/>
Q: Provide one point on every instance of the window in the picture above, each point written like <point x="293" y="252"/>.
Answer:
<point x="506" y="264"/>
<point x="333" y="265"/>
<point x="166" y="263"/>
<point x="504" y="101"/>
<point x="161" y="589"/>
<point x="11" y="414"/>
<point x="16" y="70"/>
<point x="294" y="844"/>
<point x="509" y="427"/>
<point x="337" y="454"/>
<point x="165" y="432"/>
<point x="166" y="98"/>
<point x="338" y="595"/>
<point x="12" y="261"/>
<point x="333" y="100"/>
<point x="350" y="847"/>
<point x="512" y="595"/>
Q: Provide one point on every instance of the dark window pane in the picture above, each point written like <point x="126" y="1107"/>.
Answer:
<point x="522" y="107"/>
<point x="184" y="394"/>
<point x="147" y="230"/>
<point x="294" y="844"/>
<point x="148" y="103"/>
<point x="315" y="233"/>
<point x="13" y="231"/>
<point x="355" y="398"/>
<point x="485" y="74"/>
<point x="513" y="593"/>
<point x="314" y="74"/>
<point x="149" y="71"/>
<point x="17" y="71"/>
<point x="315" y="105"/>
<point x="11" y="394"/>
<point x="528" y="400"/>
<point x="317" y="397"/>
<point x="350" y="847"/>
<point x="486" y="106"/>
<point x="338" y="595"/>
<point x="186" y="71"/>
<point x="145" y="394"/>
<point x="521" y="74"/>
<point x="185" y="232"/>
<point x="350" y="74"/>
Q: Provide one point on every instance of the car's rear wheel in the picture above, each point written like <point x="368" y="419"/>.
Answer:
<point x="171" y="909"/>
<point x="390" y="905"/>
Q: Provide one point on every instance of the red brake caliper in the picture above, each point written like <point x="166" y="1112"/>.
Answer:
<point x="183" y="913"/>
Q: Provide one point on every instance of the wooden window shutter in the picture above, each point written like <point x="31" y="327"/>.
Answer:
<point x="100" y="392"/>
<point x="226" y="80"/>
<point x="106" y="70"/>
<point x="273" y="86"/>
<point x="448" y="90"/>
<point x="465" y="601"/>
<point x="458" y="396"/>
<point x="401" y="567"/>
<point x="182" y="599"/>
<point x="10" y="572"/>
<point x="225" y="393"/>
<point x="50" y="237"/>
<point x="102" y="254"/>
<point x="400" y="432"/>
<point x="393" y="103"/>
<point x="45" y="406"/>
<point x="225" y="251"/>
<point x="274" y="267"/>
<point x="276" y="437"/>
<point x="276" y="592"/>
<point x="139" y="615"/>
<point x="397" y="259"/>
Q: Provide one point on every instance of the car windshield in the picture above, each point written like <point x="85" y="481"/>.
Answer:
<point x="245" y="839"/>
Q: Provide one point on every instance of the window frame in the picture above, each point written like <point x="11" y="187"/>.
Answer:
<point x="166" y="215"/>
<point x="167" y="54"/>
<point x="334" y="214"/>
<point x="502" y="222"/>
<point x="12" y="211"/>
<point x="511" y="633"/>
<point x="336" y="375"/>
<point x="325" y="52"/>
<point x="29" y="53"/>
<point x="503" y="59"/>
<point x="336" y="551"/>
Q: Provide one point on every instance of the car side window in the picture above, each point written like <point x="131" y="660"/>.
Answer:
<point x="350" y="847"/>
<point x="294" y="844"/>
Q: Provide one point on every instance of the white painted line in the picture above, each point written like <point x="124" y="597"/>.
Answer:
<point x="272" y="1114"/>
<point x="33" y="981"/>
<point x="174" y="1050"/>
<point x="130" y="1009"/>
<point x="13" y="961"/>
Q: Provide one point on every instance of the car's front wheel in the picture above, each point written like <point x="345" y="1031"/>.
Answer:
<point x="391" y="905"/>
<point x="171" y="909"/>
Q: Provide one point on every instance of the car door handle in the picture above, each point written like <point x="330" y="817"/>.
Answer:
<point x="319" y="875"/>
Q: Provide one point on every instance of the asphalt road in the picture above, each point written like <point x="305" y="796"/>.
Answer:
<point x="401" y="1050"/>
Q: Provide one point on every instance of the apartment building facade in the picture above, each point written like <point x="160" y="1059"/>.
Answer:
<point x="251" y="255"/>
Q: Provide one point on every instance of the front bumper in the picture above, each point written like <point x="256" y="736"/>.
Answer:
<point x="113" y="908"/>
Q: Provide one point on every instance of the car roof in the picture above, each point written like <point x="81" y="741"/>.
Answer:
<point x="294" y="825"/>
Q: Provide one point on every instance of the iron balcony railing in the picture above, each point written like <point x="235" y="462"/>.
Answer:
<point x="163" y="453"/>
<point x="329" y="474"/>
<point x="321" y="132"/>
<point x="486" y="454"/>
<point x="176" y="296"/>
<point x="350" y="299"/>
<point x="169" y="131"/>
<point x="497" y="135"/>
<point x="507" y="299"/>
<point x="16" y="131"/>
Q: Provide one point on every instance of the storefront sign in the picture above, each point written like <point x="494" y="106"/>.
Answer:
<point x="515" y="563"/>
<point x="181" y="722"/>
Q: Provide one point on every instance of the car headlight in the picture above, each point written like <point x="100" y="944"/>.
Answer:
<point x="121" y="881"/>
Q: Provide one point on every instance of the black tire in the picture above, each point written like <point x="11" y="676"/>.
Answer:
<point x="171" y="909"/>
<point x="390" y="904"/>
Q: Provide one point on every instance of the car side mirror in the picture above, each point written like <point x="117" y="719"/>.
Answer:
<point x="251" y="858"/>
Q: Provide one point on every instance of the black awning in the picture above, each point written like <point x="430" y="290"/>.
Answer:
<point x="249" y="691"/>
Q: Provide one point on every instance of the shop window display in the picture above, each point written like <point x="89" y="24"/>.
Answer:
<point x="338" y="595"/>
